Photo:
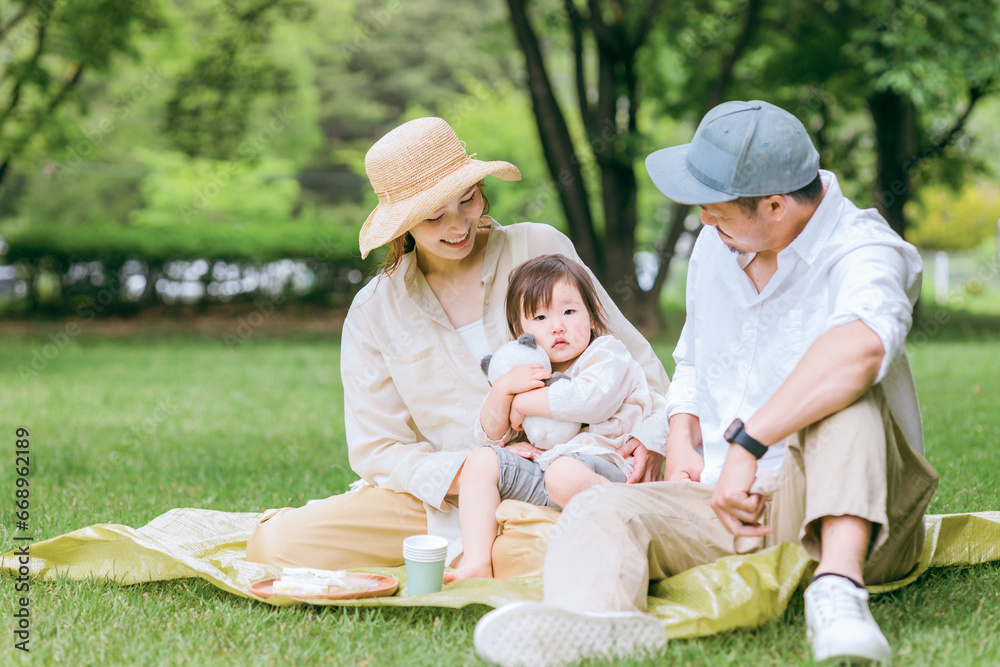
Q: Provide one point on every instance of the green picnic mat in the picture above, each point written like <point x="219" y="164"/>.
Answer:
<point x="733" y="592"/>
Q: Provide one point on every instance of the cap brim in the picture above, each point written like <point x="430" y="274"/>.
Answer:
<point x="667" y="168"/>
<point x="387" y="222"/>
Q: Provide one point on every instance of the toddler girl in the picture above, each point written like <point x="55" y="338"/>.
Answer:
<point x="553" y="298"/>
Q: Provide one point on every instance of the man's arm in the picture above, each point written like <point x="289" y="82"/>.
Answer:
<point x="836" y="370"/>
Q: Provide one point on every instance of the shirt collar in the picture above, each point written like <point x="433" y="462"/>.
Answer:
<point x="494" y="246"/>
<point x="821" y="225"/>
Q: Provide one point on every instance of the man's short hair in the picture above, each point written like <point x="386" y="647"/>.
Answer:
<point x="810" y="194"/>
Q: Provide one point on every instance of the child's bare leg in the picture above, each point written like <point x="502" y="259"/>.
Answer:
<point x="566" y="477"/>
<point x="478" y="500"/>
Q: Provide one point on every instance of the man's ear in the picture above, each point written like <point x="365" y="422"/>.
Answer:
<point x="776" y="207"/>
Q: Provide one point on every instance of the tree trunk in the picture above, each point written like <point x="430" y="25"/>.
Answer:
<point x="895" y="120"/>
<point x="557" y="145"/>
<point x="647" y="314"/>
<point x="618" y="182"/>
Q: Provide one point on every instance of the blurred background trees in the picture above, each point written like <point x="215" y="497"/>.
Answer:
<point x="209" y="151"/>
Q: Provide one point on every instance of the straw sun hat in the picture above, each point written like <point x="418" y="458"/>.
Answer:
<point x="414" y="170"/>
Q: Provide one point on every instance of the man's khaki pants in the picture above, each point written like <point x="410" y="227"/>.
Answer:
<point x="613" y="539"/>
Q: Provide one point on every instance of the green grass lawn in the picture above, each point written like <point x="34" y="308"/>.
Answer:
<point x="122" y="430"/>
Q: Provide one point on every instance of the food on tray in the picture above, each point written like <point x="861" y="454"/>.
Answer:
<point x="310" y="581"/>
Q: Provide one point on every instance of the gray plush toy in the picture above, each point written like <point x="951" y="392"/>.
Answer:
<point x="542" y="432"/>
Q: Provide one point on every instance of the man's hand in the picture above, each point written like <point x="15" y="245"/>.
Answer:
<point x="683" y="462"/>
<point x="524" y="450"/>
<point x="646" y="467"/>
<point x="738" y="509"/>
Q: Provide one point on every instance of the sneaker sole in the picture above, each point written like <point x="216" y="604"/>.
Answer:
<point x="531" y="634"/>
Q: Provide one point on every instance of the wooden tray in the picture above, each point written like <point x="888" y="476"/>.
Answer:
<point x="371" y="585"/>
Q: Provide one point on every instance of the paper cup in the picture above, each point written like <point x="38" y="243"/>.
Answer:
<point x="424" y="556"/>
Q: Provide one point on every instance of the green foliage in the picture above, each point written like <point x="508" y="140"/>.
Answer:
<point x="113" y="243"/>
<point x="49" y="47"/>
<point x="210" y="79"/>
<point x="212" y="106"/>
<point x="948" y="220"/>
<point x="931" y="53"/>
<point x="178" y="190"/>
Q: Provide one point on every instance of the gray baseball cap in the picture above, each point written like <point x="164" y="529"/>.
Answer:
<point x="740" y="149"/>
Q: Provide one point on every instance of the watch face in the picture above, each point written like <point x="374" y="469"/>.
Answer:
<point x="733" y="429"/>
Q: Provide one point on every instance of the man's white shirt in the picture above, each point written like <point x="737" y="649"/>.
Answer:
<point x="738" y="346"/>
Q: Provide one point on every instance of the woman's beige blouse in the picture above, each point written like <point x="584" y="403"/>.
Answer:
<point x="413" y="391"/>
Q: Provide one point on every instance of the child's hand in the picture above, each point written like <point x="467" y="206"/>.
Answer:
<point x="524" y="449"/>
<point x="523" y="378"/>
<point x="516" y="419"/>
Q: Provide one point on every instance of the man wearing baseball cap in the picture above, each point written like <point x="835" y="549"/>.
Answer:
<point x="793" y="413"/>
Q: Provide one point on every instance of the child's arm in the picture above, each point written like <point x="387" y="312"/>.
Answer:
<point x="597" y="391"/>
<point x="534" y="403"/>
<point x="495" y="413"/>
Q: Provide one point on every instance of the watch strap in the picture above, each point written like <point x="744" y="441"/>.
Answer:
<point x="748" y="442"/>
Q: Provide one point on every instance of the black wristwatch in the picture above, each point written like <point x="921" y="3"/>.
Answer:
<point x="735" y="435"/>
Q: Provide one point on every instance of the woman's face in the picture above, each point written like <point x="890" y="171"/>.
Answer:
<point x="450" y="232"/>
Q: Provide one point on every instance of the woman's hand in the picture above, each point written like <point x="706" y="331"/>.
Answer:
<point x="524" y="450"/>
<point x="647" y="466"/>
<point x="523" y="378"/>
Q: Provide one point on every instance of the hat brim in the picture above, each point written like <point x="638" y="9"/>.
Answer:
<point x="391" y="220"/>
<point x="668" y="170"/>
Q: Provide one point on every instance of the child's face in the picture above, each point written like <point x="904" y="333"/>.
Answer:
<point x="562" y="329"/>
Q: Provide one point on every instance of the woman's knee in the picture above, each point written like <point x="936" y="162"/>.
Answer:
<point x="267" y="543"/>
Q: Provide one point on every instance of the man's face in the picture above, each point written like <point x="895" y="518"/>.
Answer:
<point x="738" y="230"/>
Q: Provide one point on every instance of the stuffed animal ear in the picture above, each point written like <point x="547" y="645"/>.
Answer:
<point x="555" y="378"/>
<point x="485" y="364"/>
<point x="527" y="339"/>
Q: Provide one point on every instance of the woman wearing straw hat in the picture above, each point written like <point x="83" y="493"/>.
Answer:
<point x="410" y="354"/>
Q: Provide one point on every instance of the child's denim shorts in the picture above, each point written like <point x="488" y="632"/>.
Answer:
<point x="522" y="479"/>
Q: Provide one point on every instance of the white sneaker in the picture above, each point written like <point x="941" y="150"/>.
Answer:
<point x="532" y="634"/>
<point x="840" y="625"/>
